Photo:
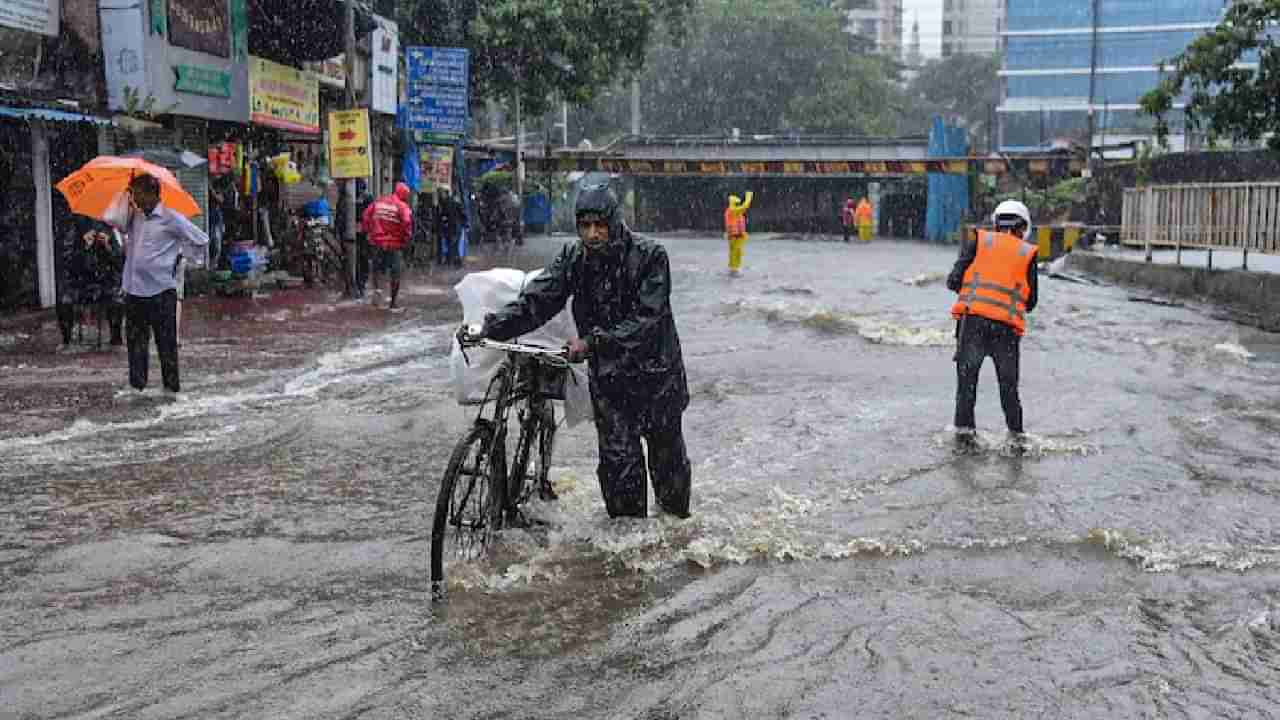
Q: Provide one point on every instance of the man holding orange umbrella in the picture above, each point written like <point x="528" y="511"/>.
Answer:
<point x="148" y="203"/>
<point x="158" y="237"/>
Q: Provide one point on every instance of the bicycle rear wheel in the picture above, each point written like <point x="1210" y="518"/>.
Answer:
<point x="469" y="506"/>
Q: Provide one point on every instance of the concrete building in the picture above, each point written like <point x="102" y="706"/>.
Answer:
<point x="875" y="25"/>
<point x="1067" y="59"/>
<point x="971" y="26"/>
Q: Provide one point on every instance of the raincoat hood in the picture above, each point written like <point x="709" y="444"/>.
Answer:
<point x="599" y="200"/>
<point x="402" y="191"/>
<point x="735" y="203"/>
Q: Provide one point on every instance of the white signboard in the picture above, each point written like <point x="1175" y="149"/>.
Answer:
<point x="384" y="67"/>
<point x="37" y="16"/>
<point x="123" y="53"/>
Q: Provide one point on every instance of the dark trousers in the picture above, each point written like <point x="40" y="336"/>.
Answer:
<point x="848" y="230"/>
<point x="622" y="468"/>
<point x="109" y="309"/>
<point x="145" y="316"/>
<point x="979" y="338"/>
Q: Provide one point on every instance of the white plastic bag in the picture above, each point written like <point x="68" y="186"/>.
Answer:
<point x="489" y="291"/>
<point x="117" y="213"/>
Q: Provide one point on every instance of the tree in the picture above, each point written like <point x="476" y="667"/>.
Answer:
<point x="1226" y="100"/>
<point x="759" y="65"/>
<point x="542" y="48"/>
<point x="964" y="86"/>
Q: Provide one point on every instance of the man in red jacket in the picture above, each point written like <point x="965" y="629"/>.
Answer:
<point x="388" y="223"/>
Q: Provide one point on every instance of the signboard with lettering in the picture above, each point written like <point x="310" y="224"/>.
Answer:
<point x="283" y="97"/>
<point x="200" y="25"/>
<point x="349" y="144"/>
<point x="438" y="99"/>
<point x="384" y="66"/>
<point x="199" y="80"/>
<point x="37" y="16"/>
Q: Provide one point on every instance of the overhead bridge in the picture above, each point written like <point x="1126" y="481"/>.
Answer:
<point x="783" y="157"/>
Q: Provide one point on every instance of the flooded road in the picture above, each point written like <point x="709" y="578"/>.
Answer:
<point x="259" y="548"/>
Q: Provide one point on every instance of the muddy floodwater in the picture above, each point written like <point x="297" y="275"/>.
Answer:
<point x="259" y="548"/>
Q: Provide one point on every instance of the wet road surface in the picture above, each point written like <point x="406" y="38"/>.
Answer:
<point x="259" y="548"/>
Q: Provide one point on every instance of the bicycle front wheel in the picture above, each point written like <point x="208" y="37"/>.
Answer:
<point x="469" y="506"/>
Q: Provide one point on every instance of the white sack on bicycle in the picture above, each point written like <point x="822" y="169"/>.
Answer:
<point x="487" y="292"/>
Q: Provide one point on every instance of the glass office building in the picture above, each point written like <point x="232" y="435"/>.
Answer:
<point x="1048" y="49"/>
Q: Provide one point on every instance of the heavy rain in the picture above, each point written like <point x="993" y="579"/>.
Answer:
<point x="644" y="359"/>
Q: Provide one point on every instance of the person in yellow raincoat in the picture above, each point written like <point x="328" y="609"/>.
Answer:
<point x="735" y="230"/>
<point x="865" y="218"/>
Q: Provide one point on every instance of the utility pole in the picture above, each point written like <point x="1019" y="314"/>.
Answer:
<point x="519" y="164"/>
<point x="349" y="185"/>
<point x="1093" y="84"/>
<point x="635" y="105"/>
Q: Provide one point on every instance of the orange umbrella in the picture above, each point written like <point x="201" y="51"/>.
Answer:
<point x="102" y="181"/>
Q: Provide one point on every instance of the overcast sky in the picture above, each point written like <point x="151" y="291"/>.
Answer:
<point x="929" y="12"/>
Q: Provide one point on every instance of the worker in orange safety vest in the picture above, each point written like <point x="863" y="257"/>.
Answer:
<point x="996" y="279"/>
<point x="735" y="230"/>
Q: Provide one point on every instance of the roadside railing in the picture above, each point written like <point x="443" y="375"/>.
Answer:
<point x="1233" y="216"/>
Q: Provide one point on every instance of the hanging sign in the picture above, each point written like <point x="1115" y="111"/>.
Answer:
<point x="349" y="144"/>
<point x="384" y="67"/>
<point x="283" y="97"/>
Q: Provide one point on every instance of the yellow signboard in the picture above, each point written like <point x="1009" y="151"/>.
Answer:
<point x="283" y="97"/>
<point x="349" y="144"/>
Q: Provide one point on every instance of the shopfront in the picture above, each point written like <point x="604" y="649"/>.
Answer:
<point x="48" y="127"/>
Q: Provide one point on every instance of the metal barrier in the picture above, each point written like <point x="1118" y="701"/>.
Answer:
<point x="1053" y="241"/>
<point x="1234" y="216"/>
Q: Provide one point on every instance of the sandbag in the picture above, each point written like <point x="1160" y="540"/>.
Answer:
<point x="486" y="292"/>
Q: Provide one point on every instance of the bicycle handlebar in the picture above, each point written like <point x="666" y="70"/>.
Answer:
<point x="555" y="357"/>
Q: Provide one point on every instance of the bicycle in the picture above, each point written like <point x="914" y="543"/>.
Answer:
<point x="478" y="495"/>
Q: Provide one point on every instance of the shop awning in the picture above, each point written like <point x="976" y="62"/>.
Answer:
<point x="30" y="113"/>
<point x="291" y="32"/>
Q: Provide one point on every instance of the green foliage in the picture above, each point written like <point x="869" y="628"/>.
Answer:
<point x="500" y="179"/>
<point x="1223" y="99"/>
<point x="758" y="65"/>
<point x="569" y="49"/>
<point x="1054" y="201"/>
<point x="143" y="108"/>
<point x="965" y="85"/>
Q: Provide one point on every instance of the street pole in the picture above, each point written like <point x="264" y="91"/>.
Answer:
<point x="1093" y="83"/>
<point x="564" y="124"/>
<point x="635" y="105"/>
<point x="349" y="185"/>
<point x="519" y="166"/>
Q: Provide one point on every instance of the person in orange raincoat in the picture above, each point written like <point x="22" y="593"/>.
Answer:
<point x="735" y="230"/>
<point x="865" y="218"/>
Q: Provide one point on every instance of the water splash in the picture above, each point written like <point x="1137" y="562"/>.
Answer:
<point x="836" y="322"/>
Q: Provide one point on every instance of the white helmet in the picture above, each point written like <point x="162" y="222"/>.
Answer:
<point x="1014" y="208"/>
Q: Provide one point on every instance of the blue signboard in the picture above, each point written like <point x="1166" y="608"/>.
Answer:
<point x="437" y="94"/>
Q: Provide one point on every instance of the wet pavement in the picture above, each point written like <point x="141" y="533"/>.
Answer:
<point x="259" y="547"/>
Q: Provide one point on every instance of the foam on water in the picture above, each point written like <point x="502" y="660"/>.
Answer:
<point x="195" y="421"/>
<point x="1163" y="555"/>
<point x="829" y="320"/>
